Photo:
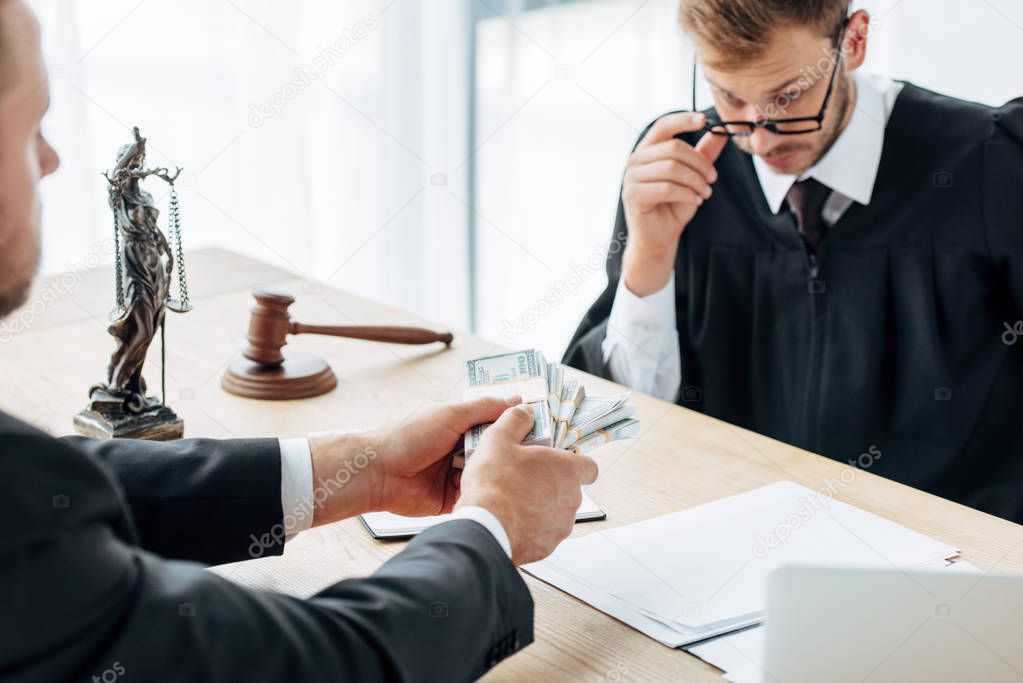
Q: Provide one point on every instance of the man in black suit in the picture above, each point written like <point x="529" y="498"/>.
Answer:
<point x="98" y="567"/>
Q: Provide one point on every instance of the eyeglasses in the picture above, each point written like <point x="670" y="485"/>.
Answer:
<point x="793" y="126"/>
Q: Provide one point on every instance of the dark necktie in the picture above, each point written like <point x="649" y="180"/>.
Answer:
<point x="806" y="201"/>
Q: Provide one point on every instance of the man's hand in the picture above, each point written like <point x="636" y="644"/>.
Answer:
<point x="666" y="181"/>
<point x="402" y="468"/>
<point x="533" y="491"/>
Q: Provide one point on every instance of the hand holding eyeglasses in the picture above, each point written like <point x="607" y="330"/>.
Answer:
<point x="666" y="181"/>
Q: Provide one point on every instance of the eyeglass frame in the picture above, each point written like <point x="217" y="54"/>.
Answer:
<point x="771" y="125"/>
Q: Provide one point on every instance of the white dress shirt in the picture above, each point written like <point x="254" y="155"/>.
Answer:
<point x="641" y="347"/>
<point x="297" y="495"/>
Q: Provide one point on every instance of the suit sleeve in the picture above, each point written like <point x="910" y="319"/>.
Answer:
<point x="207" y="500"/>
<point x="81" y="600"/>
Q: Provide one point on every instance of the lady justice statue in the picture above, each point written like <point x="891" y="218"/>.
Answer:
<point x="144" y="264"/>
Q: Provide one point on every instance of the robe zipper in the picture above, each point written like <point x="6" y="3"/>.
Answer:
<point x="815" y="289"/>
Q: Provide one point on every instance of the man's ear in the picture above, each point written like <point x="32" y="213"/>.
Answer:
<point x="856" y="35"/>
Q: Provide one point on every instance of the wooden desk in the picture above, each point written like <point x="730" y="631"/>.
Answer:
<point x="59" y="348"/>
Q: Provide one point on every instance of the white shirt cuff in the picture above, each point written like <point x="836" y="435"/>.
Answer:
<point x="296" y="485"/>
<point x="648" y="313"/>
<point x="297" y="494"/>
<point x="489" y="521"/>
<point x="640" y="348"/>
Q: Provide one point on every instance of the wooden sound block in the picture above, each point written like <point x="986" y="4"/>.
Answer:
<point x="301" y="375"/>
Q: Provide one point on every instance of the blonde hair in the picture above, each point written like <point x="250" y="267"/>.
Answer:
<point x="737" y="31"/>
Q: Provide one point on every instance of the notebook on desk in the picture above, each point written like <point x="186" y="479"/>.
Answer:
<point x="387" y="526"/>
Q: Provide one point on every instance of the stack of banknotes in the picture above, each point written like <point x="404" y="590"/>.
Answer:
<point x="564" y="416"/>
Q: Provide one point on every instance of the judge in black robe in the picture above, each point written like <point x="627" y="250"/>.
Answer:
<point x="901" y="339"/>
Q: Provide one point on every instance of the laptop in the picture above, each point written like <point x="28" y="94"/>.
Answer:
<point x="887" y="625"/>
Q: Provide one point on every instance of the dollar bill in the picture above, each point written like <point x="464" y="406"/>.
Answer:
<point x="564" y="416"/>
<point x="555" y="383"/>
<point x="540" y="435"/>
<point x="625" y="429"/>
<point x="593" y="407"/>
<point x="522" y="373"/>
<point x="593" y="413"/>
<point x="572" y="395"/>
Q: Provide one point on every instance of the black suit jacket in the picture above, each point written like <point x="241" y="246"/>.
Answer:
<point x="98" y="577"/>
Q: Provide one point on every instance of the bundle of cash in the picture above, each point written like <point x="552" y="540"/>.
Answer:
<point x="564" y="416"/>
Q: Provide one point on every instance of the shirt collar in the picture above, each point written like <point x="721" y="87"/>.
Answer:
<point x="850" y="166"/>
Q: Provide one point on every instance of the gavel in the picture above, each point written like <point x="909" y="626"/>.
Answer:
<point x="265" y="371"/>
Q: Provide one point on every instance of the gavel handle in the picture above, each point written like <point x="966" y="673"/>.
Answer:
<point x="393" y="335"/>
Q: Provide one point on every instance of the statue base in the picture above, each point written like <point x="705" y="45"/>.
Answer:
<point x="106" y="418"/>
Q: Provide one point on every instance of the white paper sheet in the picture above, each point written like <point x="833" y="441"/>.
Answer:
<point x="702" y="571"/>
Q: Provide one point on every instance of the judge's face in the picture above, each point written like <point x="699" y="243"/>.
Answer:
<point x="790" y="80"/>
<point x="25" y="155"/>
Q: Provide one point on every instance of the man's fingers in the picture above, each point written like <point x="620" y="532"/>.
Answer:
<point x="514" y="424"/>
<point x="582" y="466"/>
<point x="451" y="490"/>
<point x="671" y="171"/>
<point x="588" y="469"/>
<point x="668" y="126"/>
<point x="480" y="411"/>
<point x="679" y="150"/>
<point x="711" y="146"/>
<point x="664" y="192"/>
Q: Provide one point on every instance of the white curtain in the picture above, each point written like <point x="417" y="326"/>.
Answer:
<point x="321" y="136"/>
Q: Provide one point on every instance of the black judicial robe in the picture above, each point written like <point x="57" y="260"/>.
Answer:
<point x="895" y="338"/>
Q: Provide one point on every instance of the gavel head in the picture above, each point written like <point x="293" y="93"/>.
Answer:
<point x="268" y="327"/>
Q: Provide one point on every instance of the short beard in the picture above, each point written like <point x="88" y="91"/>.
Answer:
<point x="12" y="300"/>
<point x="16" y="274"/>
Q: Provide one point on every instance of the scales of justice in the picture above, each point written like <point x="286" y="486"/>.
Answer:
<point x="144" y="263"/>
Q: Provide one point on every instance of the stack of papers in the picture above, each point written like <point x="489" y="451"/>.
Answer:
<point x="702" y="572"/>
